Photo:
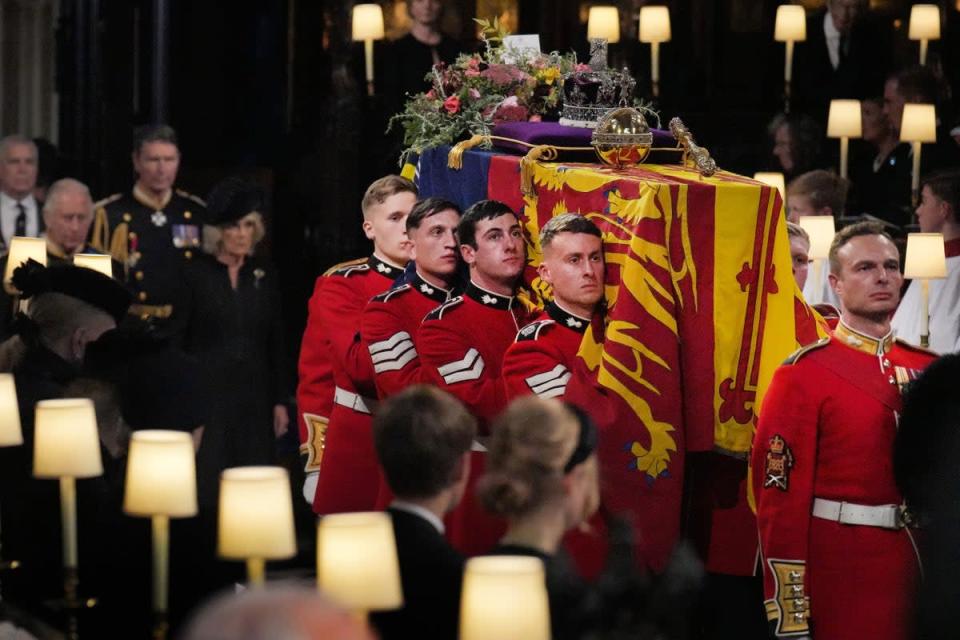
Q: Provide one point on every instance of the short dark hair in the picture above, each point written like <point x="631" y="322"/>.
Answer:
<point x="482" y="210"/>
<point x="917" y="84"/>
<point x="567" y="223"/>
<point x="420" y="434"/>
<point x="153" y="133"/>
<point x="823" y="188"/>
<point x="945" y="185"/>
<point x="426" y="208"/>
<point x="850" y="232"/>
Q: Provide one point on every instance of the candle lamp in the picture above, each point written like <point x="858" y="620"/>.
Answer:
<point x="367" y="26"/>
<point x="67" y="447"/>
<point x="655" y="29"/>
<point x="919" y="125"/>
<point x="604" y="22"/>
<point x="21" y="250"/>
<point x="790" y="27"/>
<point x="925" y="261"/>
<point x="161" y="483"/>
<point x="844" y="122"/>
<point x="821" y="230"/>
<point x="10" y="436"/>
<point x="95" y="261"/>
<point x="924" y="26"/>
<point x="504" y="597"/>
<point x="774" y="179"/>
<point x="255" y="518"/>
<point x="357" y="562"/>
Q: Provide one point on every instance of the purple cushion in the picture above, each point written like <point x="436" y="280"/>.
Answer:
<point x="557" y="134"/>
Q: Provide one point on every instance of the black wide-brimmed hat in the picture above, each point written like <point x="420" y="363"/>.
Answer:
<point x="231" y="199"/>
<point x="93" y="287"/>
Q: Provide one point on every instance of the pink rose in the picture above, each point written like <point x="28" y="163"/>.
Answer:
<point x="535" y="118"/>
<point x="582" y="67"/>
<point x="431" y="95"/>
<point x="472" y="73"/>
<point x="474" y="94"/>
<point x="452" y="105"/>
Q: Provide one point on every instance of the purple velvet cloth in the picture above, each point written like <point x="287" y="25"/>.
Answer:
<point x="558" y="135"/>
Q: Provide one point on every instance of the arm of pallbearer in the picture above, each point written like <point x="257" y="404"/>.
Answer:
<point x="532" y="366"/>
<point x="340" y="313"/>
<point x="459" y="368"/>
<point x="314" y="391"/>
<point x="783" y="464"/>
<point x="393" y="351"/>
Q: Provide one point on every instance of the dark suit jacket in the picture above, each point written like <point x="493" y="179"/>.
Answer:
<point x="431" y="573"/>
<point x="861" y="72"/>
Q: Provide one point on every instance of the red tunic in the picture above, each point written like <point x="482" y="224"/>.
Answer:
<point x="350" y="475"/>
<point x="826" y="431"/>
<point x="542" y="361"/>
<point x="388" y="329"/>
<point x="462" y="344"/>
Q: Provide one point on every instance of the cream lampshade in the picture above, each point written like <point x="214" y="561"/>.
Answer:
<point x="844" y="122"/>
<point x="161" y="475"/>
<point x="21" y="250"/>
<point x="256" y="517"/>
<point x="925" y="256"/>
<point x="95" y="261"/>
<point x="10" y="433"/>
<point x="918" y="125"/>
<point x="504" y="597"/>
<point x="161" y="484"/>
<point x="924" y="26"/>
<point x="367" y="26"/>
<point x="357" y="561"/>
<point x="791" y="24"/>
<point x="604" y="22"/>
<point x="925" y="261"/>
<point x="790" y="27"/>
<point x="67" y="446"/>
<point x="821" y="230"/>
<point x="66" y="443"/>
<point x="774" y="179"/>
<point x="655" y="28"/>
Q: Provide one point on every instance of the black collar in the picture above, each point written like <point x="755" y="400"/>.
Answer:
<point x="489" y="298"/>
<point x="429" y="290"/>
<point x="384" y="268"/>
<point x="567" y="319"/>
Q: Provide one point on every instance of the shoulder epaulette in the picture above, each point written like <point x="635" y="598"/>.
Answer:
<point x="345" y="265"/>
<point x="533" y="330"/>
<point x="437" y="313"/>
<point x="190" y="196"/>
<point x="802" y="351"/>
<point x="387" y="295"/>
<point x="916" y="347"/>
<point x="107" y="200"/>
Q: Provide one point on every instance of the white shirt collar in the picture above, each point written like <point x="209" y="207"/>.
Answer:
<point x="832" y="37"/>
<point x="417" y="510"/>
<point x="7" y="201"/>
<point x="830" y="29"/>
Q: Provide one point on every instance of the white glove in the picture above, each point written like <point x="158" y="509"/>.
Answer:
<point x="310" y="486"/>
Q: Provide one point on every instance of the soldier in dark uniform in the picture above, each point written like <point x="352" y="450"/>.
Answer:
<point x="152" y="229"/>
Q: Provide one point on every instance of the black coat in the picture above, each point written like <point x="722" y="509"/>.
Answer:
<point x="237" y="337"/>
<point x="431" y="572"/>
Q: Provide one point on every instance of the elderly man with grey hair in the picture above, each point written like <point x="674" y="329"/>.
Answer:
<point x="19" y="211"/>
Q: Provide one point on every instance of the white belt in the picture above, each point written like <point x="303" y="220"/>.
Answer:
<point x="885" y="516"/>
<point x="351" y="400"/>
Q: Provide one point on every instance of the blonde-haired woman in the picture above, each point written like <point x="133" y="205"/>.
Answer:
<point x="230" y="320"/>
<point x="542" y="477"/>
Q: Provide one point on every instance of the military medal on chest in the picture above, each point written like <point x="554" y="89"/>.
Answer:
<point x="159" y="218"/>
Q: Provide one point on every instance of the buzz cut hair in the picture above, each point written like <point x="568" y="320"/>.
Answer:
<point x="153" y="133"/>
<point x="429" y="207"/>
<point x="382" y="188"/>
<point x="482" y="210"/>
<point x="567" y="223"/>
<point x="847" y="234"/>
<point x="420" y="436"/>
